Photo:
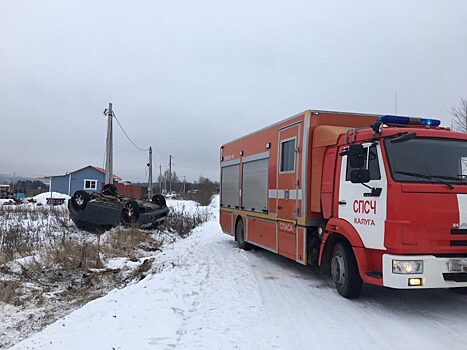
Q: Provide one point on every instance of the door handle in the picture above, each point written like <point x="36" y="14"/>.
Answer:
<point x="342" y="202"/>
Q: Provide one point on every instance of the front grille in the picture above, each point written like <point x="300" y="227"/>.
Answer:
<point x="455" y="277"/>
<point x="458" y="243"/>
<point x="459" y="231"/>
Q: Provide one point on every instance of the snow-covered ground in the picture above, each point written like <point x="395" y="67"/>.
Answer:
<point x="208" y="294"/>
<point x="42" y="198"/>
<point x="186" y="206"/>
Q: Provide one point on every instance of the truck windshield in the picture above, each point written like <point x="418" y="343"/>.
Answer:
<point x="433" y="160"/>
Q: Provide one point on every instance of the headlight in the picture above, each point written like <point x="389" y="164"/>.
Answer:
<point x="407" y="266"/>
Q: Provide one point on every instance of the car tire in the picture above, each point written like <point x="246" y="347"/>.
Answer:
<point x="344" y="271"/>
<point x="80" y="199"/>
<point x="130" y="213"/>
<point x="159" y="200"/>
<point x="110" y="190"/>
<point x="240" y="236"/>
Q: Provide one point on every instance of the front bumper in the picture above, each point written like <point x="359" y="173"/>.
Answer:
<point x="438" y="272"/>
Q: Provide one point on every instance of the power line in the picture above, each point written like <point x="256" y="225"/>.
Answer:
<point x="128" y="137"/>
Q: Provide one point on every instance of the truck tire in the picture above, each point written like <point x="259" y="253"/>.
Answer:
<point x="240" y="236"/>
<point x="80" y="199"/>
<point x="344" y="271"/>
<point x="130" y="213"/>
<point x="159" y="200"/>
<point x="110" y="190"/>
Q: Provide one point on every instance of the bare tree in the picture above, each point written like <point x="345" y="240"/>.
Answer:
<point x="460" y="116"/>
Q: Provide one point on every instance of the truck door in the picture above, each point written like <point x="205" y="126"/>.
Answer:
<point x="366" y="213"/>
<point x="288" y="169"/>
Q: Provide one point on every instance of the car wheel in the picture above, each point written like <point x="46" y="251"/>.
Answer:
<point x="344" y="271"/>
<point x="80" y="199"/>
<point x="110" y="190"/>
<point x="130" y="213"/>
<point x="159" y="200"/>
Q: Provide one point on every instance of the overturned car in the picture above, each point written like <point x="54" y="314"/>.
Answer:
<point x="101" y="211"/>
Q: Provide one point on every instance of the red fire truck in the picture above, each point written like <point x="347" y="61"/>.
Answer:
<point x="367" y="198"/>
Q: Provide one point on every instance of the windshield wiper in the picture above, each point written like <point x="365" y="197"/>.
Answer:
<point x="425" y="176"/>
<point x="447" y="177"/>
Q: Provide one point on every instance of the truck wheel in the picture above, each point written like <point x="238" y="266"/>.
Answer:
<point x="130" y="213"/>
<point x="344" y="271"/>
<point x="110" y="190"/>
<point x="80" y="199"/>
<point x="240" y="236"/>
<point x="159" y="200"/>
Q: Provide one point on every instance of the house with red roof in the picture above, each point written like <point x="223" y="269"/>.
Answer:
<point x="89" y="178"/>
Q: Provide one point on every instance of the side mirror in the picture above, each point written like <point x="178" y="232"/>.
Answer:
<point x="356" y="156"/>
<point x="360" y="176"/>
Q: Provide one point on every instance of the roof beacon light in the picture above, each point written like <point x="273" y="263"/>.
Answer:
<point x="400" y="120"/>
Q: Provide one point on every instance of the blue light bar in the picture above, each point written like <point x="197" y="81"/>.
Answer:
<point x="429" y="122"/>
<point x="400" y="120"/>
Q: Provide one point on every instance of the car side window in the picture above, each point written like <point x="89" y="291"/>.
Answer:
<point x="373" y="164"/>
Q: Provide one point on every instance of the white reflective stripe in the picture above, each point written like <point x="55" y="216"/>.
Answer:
<point x="230" y="162"/>
<point x="257" y="156"/>
<point x="295" y="194"/>
<point x="280" y="194"/>
<point x="276" y="194"/>
<point x="462" y="204"/>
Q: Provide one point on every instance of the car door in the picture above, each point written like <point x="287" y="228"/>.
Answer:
<point x="365" y="212"/>
<point x="288" y="184"/>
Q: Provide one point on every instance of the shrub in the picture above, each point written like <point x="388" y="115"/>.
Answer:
<point x="182" y="222"/>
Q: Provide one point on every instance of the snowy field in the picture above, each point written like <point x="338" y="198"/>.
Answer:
<point x="208" y="294"/>
<point x="48" y="267"/>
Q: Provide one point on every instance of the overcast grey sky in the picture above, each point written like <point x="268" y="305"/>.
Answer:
<point x="187" y="76"/>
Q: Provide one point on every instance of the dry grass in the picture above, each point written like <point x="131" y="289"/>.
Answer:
<point x="182" y="222"/>
<point x="70" y="254"/>
<point x="10" y="292"/>
<point x="64" y="267"/>
<point x="124" y="241"/>
<point x="202" y="196"/>
<point x="23" y="229"/>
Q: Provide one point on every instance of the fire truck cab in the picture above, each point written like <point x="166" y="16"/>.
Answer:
<point x="374" y="199"/>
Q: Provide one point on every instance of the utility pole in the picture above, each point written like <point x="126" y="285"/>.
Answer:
<point x="170" y="173"/>
<point x="109" y="147"/>
<point x="184" y="184"/>
<point x="150" y="191"/>
<point x="160" y="178"/>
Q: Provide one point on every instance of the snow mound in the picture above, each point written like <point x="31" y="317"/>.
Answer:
<point x="42" y="198"/>
<point x="187" y="206"/>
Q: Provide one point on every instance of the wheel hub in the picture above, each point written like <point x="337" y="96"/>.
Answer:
<point x="79" y="200"/>
<point x="338" y="269"/>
